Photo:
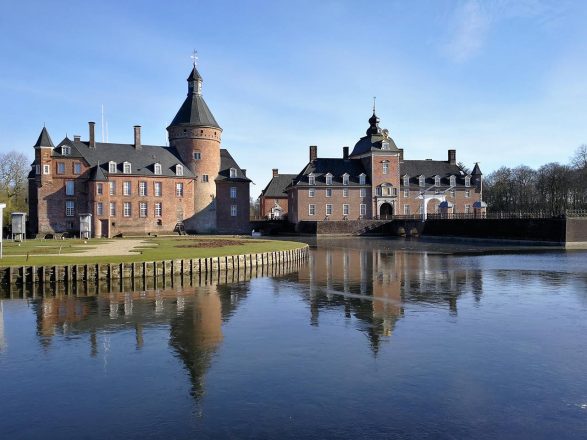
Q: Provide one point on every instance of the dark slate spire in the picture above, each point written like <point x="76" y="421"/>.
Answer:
<point x="476" y="170"/>
<point x="373" y="125"/>
<point x="44" y="139"/>
<point x="194" y="110"/>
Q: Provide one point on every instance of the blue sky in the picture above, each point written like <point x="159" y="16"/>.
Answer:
<point x="503" y="82"/>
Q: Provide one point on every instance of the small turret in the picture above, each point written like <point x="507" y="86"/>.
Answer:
<point x="44" y="140"/>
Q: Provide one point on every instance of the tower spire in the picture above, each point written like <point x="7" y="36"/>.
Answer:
<point x="374" y="98"/>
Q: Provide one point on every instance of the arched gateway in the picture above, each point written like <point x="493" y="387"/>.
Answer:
<point x="385" y="211"/>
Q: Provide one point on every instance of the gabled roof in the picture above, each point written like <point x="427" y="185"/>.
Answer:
<point x="337" y="167"/>
<point x="44" y="140"/>
<point x="68" y="143"/>
<point x="276" y="186"/>
<point x="226" y="163"/>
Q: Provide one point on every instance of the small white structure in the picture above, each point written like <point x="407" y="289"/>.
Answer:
<point x="85" y="226"/>
<point x="18" y="226"/>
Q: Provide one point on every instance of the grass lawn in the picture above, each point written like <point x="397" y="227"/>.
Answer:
<point x="74" y="251"/>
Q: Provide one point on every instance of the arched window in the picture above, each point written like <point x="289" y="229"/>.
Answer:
<point x="406" y="180"/>
<point x="126" y="168"/>
<point x="311" y="179"/>
<point x="422" y="181"/>
<point x="232" y="173"/>
<point x="112" y="167"/>
<point x="436" y="180"/>
<point x="345" y="179"/>
<point x="328" y="179"/>
<point x="453" y="181"/>
<point x="362" y="179"/>
<point x="157" y="168"/>
<point x="179" y="170"/>
<point x="468" y="181"/>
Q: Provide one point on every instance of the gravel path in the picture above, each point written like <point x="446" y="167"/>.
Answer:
<point x="115" y="247"/>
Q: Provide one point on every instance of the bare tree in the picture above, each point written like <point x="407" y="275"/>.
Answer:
<point x="14" y="168"/>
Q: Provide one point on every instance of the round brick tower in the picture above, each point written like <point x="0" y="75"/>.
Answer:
<point x="195" y="135"/>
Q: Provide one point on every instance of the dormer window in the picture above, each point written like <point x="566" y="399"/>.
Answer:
<point x="232" y="173"/>
<point x="345" y="179"/>
<point x="385" y="145"/>
<point x="436" y="180"/>
<point x="453" y="180"/>
<point x="468" y="181"/>
<point x="65" y="150"/>
<point x="112" y="167"/>
<point x="157" y="168"/>
<point x="328" y="179"/>
<point x="178" y="170"/>
<point x="362" y="179"/>
<point x="406" y="180"/>
<point x="126" y="168"/>
<point x="311" y="180"/>
<point x="422" y="181"/>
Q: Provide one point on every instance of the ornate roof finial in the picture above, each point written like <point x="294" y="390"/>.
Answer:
<point x="194" y="57"/>
<point x="374" y="98"/>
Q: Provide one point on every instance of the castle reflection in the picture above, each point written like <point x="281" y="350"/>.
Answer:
<point x="370" y="287"/>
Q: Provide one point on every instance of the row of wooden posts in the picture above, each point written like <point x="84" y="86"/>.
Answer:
<point x="147" y="269"/>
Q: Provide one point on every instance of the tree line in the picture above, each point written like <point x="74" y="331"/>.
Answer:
<point x="553" y="188"/>
<point x="14" y="169"/>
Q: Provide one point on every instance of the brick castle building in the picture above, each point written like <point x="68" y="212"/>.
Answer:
<point x="192" y="185"/>
<point x="273" y="199"/>
<point x="374" y="181"/>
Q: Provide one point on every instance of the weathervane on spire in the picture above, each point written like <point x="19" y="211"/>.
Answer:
<point x="194" y="57"/>
<point x="374" y="98"/>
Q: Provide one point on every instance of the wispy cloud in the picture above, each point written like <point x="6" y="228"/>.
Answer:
<point x="471" y="25"/>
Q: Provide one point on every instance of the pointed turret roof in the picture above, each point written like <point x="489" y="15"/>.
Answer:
<point x="44" y="139"/>
<point x="476" y="170"/>
<point x="194" y="111"/>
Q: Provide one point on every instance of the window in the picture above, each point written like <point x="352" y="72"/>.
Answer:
<point x="233" y="192"/>
<point x="468" y="181"/>
<point x="112" y="209"/>
<point x="179" y="189"/>
<point x="328" y="192"/>
<point x="112" y="188"/>
<point x="69" y="188"/>
<point x="363" y="192"/>
<point x="311" y="209"/>
<point x="328" y="179"/>
<point x="197" y="155"/>
<point x="157" y="169"/>
<point x="345" y="209"/>
<point x="406" y="180"/>
<point x="467" y="193"/>
<point x="328" y="209"/>
<point x="453" y="180"/>
<point x="232" y="173"/>
<point x="158" y="209"/>
<point x="37" y="169"/>
<point x="46" y="169"/>
<point x="77" y="168"/>
<point x="311" y="179"/>
<point x="385" y="145"/>
<point x="204" y="177"/>
<point x="406" y="193"/>
<point x="362" y="179"/>
<point x="467" y="209"/>
<point x="179" y="170"/>
<point x="126" y="209"/>
<point x="69" y="208"/>
<point x="111" y="167"/>
<point x="363" y="209"/>
<point x="60" y="168"/>
<point x="436" y="180"/>
<point x="385" y="169"/>
<point x="379" y="191"/>
<point x="143" y="209"/>
<point x="157" y="187"/>
<point x="345" y="192"/>
<point x="422" y="181"/>
<point x="311" y="192"/>
<point x="345" y="179"/>
<point x="126" y="188"/>
<point x="233" y="210"/>
<point x="66" y="151"/>
<point x="126" y="168"/>
<point x="452" y="193"/>
<point x="99" y="208"/>
<point x="407" y="209"/>
<point x="142" y="188"/>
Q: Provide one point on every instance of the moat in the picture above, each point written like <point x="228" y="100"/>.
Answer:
<point x="368" y="338"/>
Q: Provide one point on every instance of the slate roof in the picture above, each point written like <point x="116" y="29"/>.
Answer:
<point x="476" y="170"/>
<point x="277" y="185"/>
<point x="374" y="139"/>
<point x="226" y="163"/>
<point x="44" y="139"/>
<point x="337" y="167"/>
<point x="429" y="169"/>
<point x="194" y="111"/>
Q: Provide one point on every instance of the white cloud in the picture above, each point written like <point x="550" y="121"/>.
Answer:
<point x="469" y="31"/>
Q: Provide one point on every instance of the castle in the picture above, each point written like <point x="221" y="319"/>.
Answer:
<point x="374" y="181"/>
<point x="192" y="185"/>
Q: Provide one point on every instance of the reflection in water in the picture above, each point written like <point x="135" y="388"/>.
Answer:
<point x="2" y="340"/>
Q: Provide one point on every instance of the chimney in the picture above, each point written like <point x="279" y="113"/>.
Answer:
<point x="452" y="157"/>
<point x="401" y="154"/>
<point x="244" y="171"/>
<point x="76" y="137"/>
<point x="345" y="152"/>
<point x="275" y="172"/>
<point x="313" y="152"/>
<point x="92" y="135"/>
<point x="137" y="137"/>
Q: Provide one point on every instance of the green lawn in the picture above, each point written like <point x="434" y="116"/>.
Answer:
<point x="36" y="252"/>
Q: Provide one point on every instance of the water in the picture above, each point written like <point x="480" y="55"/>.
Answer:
<point x="370" y="339"/>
